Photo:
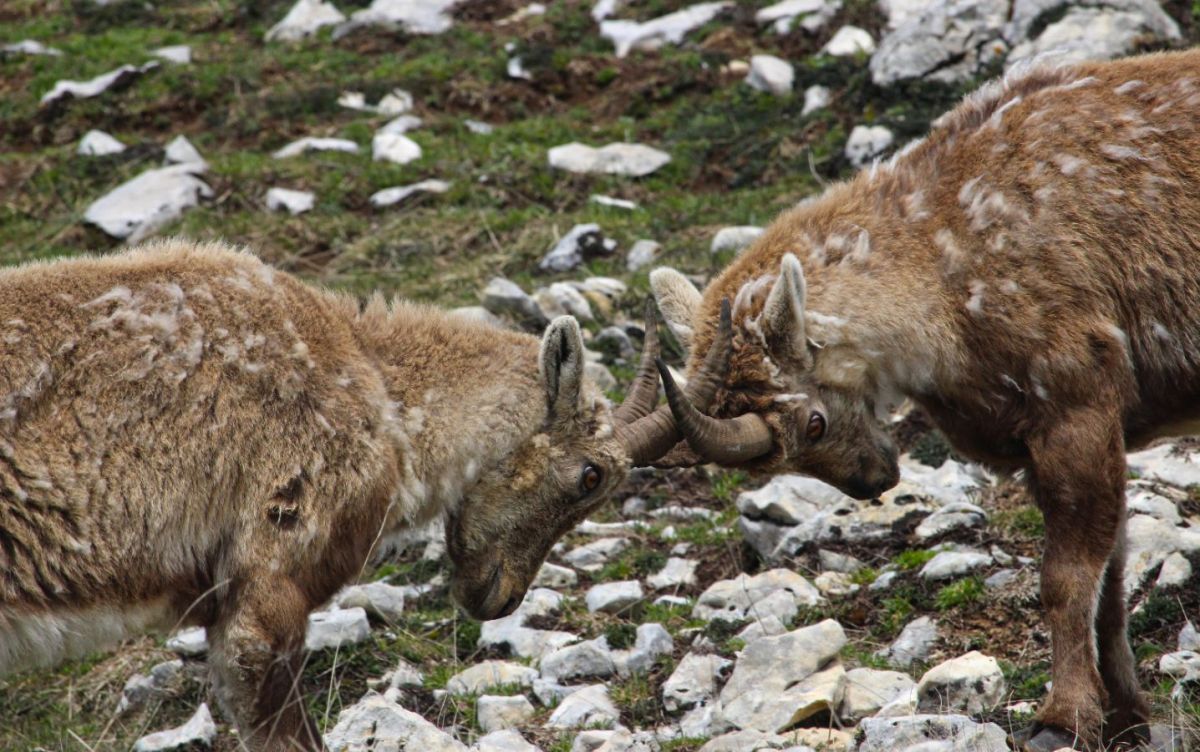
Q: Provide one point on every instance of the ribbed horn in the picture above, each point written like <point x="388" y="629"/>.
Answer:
<point x="727" y="441"/>
<point x="643" y="392"/>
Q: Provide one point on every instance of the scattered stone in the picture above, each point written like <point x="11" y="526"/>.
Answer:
<point x="950" y="518"/>
<point x="394" y="147"/>
<point x="181" y="151"/>
<point x="680" y="513"/>
<point x="618" y="203"/>
<point x="835" y="584"/>
<point x="930" y="733"/>
<point x="771" y="74"/>
<point x="404" y="676"/>
<point x="588" y="707"/>
<point x="554" y="576"/>
<point x="504" y="741"/>
<point x="652" y="642"/>
<point x="179" y="54"/>
<point x="1141" y="497"/>
<point x="735" y="238"/>
<point x="813" y="14"/>
<point x="765" y="626"/>
<point x="336" y="628"/>
<point x="587" y="527"/>
<point x="1183" y="666"/>
<point x="883" y="581"/>
<point x="189" y="642"/>
<point x="503" y="297"/>
<point x="412" y="16"/>
<point x="295" y="202"/>
<point x="900" y="12"/>
<point x="1149" y="541"/>
<point x="304" y="19"/>
<point x="652" y="34"/>
<point x="311" y="143"/>
<point x="488" y="675"/>
<point x="480" y="314"/>
<point x="915" y="643"/>
<point x="947" y="42"/>
<point x="947" y="564"/>
<point x="515" y="68"/>
<point x="1118" y="27"/>
<point x="66" y="90"/>
<point x="849" y="41"/>
<point x="1163" y="463"/>
<point x="694" y="681"/>
<point x="868" y="690"/>
<point x="479" y="127"/>
<point x="741" y="741"/>
<point x="778" y="591"/>
<point x="675" y="573"/>
<point x="971" y="683"/>
<point x="583" y="242"/>
<point x="376" y="598"/>
<point x="199" y="730"/>
<point x="1000" y="579"/>
<point x="562" y="299"/>
<point x="643" y="253"/>
<point x="510" y="633"/>
<point x="591" y="557"/>
<point x="816" y="97"/>
<point x="392" y="196"/>
<point x="635" y="160"/>
<point x="396" y="102"/>
<point x="496" y="713"/>
<point x="866" y="143"/>
<point x="831" y="561"/>
<point x="613" y="597"/>
<point x="1176" y="571"/>
<point x="402" y="124"/>
<point x="375" y="724"/>
<point x="141" y="687"/>
<point x="584" y="660"/>
<point x="30" y="47"/>
<point x="1189" y="638"/>
<point x="98" y="144"/>
<point x="776" y="683"/>
<point x="147" y="202"/>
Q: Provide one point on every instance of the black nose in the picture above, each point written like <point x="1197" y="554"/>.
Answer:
<point x="509" y="606"/>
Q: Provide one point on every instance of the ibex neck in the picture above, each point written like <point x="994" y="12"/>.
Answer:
<point x="465" y="393"/>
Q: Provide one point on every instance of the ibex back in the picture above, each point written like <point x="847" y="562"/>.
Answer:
<point x="1029" y="274"/>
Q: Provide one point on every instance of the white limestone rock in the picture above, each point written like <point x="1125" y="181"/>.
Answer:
<point x="617" y="203"/>
<point x="554" y="576"/>
<point x="1176" y="571"/>
<point x="867" y="142"/>
<point x="1088" y="30"/>
<point x="764" y="626"/>
<point x="779" y="681"/>
<point x="777" y="591"/>
<point x="812" y="14"/>
<point x="950" y="518"/>
<point x="304" y="19"/>
<point x="562" y="299"/>
<point x="179" y="54"/>
<point x="30" y="47"/>
<point x="66" y="90"/>
<point x="947" y="564"/>
<point x="98" y="144"/>
<point x="849" y="41"/>
<point x="394" y="103"/>
<point x="583" y="242"/>
<point x="771" y="74"/>
<point x="145" y="203"/>
<point x="1149" y="541"/>
<point x="496" y="713"/>
<point x="1183" y="665"/>
<point x="633" y="160"/>
<point x="508" y="740"/>
<point x="396" y="194"/>
<point x="336" y="628"/>
<point x="293" y="202"/>
<point x="591" y="659"/>
<point x="1166" y="464"/>
<point x="868" y="690"/>
<point x="311" y="143"/>
<point x="591" y="557"/>
<point x="971" y="683"/>
<point x="835" y="584"/>
<point x="676" y="572"/>
<point x="142" y="687"/>
<point x="669" y="29"/>
<point x="189" y="642"/>
<point x="914" y="643"/>
<point x="181" y="151"/>
<point x="947" y="42"/>
<point x="694" y="681"/>
<point x="588" y="707"/>
<point x="613" y="597"/>
<point x="1189" y="638"/>
<point x="642" y="254"/>
<point x="488" y="675"/>
<point x="652" y="641"/>
<point x="375" y="724"/>
<point x="832" y="561"/>
<point x="930" y="733"/>
<point x="735" y="238"/>
<point x="511" y="633"/>
<point x="401" y="124"/>
<point x="412" y="16"/>
<point x="198" y="730"/>
<point x="394" y="147"/>
<point x="816" y="97"/>
<point x="504" y="297"/>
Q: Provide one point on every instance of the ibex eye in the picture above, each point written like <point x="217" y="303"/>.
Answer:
<point x="816" y="427"/>
<point x="589" y="479"/>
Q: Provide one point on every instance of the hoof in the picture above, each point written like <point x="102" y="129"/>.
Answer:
<point x="1046" y="739"/>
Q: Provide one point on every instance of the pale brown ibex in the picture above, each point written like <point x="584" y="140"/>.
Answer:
<point x="190" y="437"/>
<point x="1029" y="274"/>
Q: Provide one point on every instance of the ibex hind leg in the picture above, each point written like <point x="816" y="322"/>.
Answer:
<point x="256" y="658"/>
<point x="1126" y="713"/>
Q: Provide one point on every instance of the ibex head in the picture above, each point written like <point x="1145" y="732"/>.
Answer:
<point x="503" y="529"/>
<point x="777" y="414"/>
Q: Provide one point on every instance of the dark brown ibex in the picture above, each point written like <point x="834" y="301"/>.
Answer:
<point x="1029" y="274"/>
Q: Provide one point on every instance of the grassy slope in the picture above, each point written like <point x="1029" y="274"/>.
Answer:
<point x="739" y="157"/>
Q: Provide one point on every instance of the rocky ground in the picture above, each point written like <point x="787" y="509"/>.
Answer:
<point x="519" y="162"/>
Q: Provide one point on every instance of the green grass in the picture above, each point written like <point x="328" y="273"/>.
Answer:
<point x="912" y="559"/>
<point x="1025" y="521"/>
<point x="958" y="594"/>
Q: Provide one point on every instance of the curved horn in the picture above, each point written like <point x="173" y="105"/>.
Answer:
<point x="725" y="441"/>
<point x="643" y="392"/>
<point x="702" y="388"/>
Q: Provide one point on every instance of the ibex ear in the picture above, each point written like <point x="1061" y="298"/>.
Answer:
<point x="783" y="314"/>
<point x="678" y="299"/>
<point x="561" y="362"/>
